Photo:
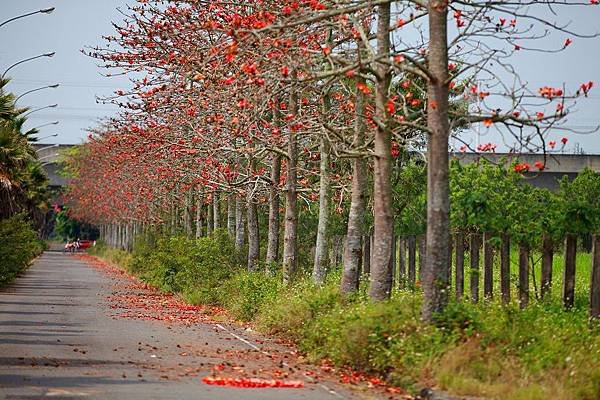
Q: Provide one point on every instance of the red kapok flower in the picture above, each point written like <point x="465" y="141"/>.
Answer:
<point x="539" y="165"/>
<point x="390" y="107"/>
<point x="363" y="88"/>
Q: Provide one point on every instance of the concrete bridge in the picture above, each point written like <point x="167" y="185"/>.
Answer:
<point x="49" y="155"/>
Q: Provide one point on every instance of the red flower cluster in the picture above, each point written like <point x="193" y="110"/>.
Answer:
<point x="252" y="383"/>
<point x="522" y="167"/>
<point x="363" y="88"/>
<point x="458" y="17"/>
<point x="586" y="87"/>
<point x="488" y="147"/>
<point x="549" y="92"/>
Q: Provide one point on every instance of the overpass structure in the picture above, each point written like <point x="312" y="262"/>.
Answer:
<point x="557" y="165"/>
<point x="49" y="155"/>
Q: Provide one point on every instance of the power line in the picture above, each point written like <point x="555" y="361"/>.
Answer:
<point x="67" y="84"/>
<point x="69" y="116"/>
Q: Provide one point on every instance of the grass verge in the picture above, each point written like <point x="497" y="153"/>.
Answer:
<point x="490" y="350"/>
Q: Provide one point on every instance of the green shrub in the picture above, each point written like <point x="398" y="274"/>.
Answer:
<point x="118" y="257"/>
<point x="245" y="293"/>
<point x="294" y="311"/>
<point x="19" y="245"/>
<point x="144" y="247"/>
<point x="385" y="338"/>
<point x="204" y="265"/>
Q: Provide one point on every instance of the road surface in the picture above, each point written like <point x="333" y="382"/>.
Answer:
<point x="69" y="330"/>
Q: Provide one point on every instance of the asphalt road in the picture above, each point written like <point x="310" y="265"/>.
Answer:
<point x="61" y="337"/>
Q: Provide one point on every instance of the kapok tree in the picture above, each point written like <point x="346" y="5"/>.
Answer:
<point x="486" y="35"/>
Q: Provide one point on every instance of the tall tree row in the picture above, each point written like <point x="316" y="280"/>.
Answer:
<point x="278" y="108"/>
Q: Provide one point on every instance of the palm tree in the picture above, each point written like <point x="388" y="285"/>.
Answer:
<point x="23" y="183"/>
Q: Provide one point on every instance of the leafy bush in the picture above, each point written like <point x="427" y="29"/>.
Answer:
<point x="385" y="338"/>
<point x="245" y="293"/>
<point x="292" y="314"/>
<point x="19" y="245"/>
<point x="113" y="256"/>
<point x="194" y="267"/>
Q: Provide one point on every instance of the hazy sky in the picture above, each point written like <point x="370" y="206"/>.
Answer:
<point x="73" y="25"/>
<point x="78" y="23"/>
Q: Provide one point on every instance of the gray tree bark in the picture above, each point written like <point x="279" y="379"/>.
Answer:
<point x="435" y="283"/>
<point x="209" y="219"/>
<point x="320" y="264"/>
<point x="240" y="223"/>
<point x="356" y="216"/>
<point x="273" y="234"/>
<point x="253" y="233"/>
<point x="189" y="229"/>
<point x="381" y="276"/>
<point x="290" y="250"/>
<point x="216" y="210"/>
<point x="231" y="215"/>
<point x="199" y="218"/>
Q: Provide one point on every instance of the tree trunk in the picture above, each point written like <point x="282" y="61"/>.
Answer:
<point x="174" y="219"/>
<point x="216" y="210"/>
<point x="231" y="215"/>
<point x="290" y="249"/>
<point x="320" y="264"/>
<point x="422" y="247"/>
<point x="189" y="228"/>
<point x="273" y="236"/>
<point x="435" y="280"/>
<point x="401" y="243"/>
<point x="366" y="255"/>
<point x="240" y="223"/>
<point x="209" y="219"/>
<point x="253" y="233"/>
<point x="569" y="270"/>
<point x="199" y="218"/>
<point x="381" y="276"/>
<point x="356" y="216"/>
<point x="412" y="261"/>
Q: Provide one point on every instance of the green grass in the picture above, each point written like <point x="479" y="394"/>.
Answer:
<point x="582" y="277"/>
<point x="487" y="349"/>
